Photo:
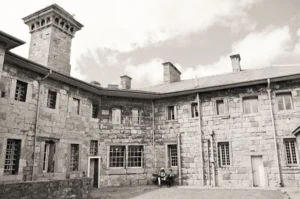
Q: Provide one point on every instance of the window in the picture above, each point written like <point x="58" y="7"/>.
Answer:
<point x="172" y="155"/>
<point x="220" y="107"/>
<point x="49" y="157"/>
<point x="135" y="116"/>
<point x="194" y="109"/>
<point x="74" y="160"/>
<point x="94" y="147"/>
<point x="12" y="157"/>
<point x="21" y="90"/>
<point x="224" y="156"/>
<point x="284" y="101"/>
<point x="135" y="156"/>
<point x="2" y="94"/>
<point x="171" y="112"/>
<point x="250" y="105"/>
<point x="116" y="156"/>
<point x="51" y="99"/>
<point x="94" y="110"/>
<point x="290" y="149"/>
<point x="116" y="116"/>
<point x="76" y="106"/>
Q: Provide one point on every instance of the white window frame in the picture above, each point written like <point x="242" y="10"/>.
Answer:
<point x="250" y="99"/>
<point x="220" y="154"/>
<point x="133" y="120"/>
<point x="296" y="151"/>
<point x="283" y="94"/>
<point x="168" y="155"/>
<point x="114" y="119"/>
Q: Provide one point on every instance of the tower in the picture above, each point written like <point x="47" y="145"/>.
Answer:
<point x="52" y="30"/>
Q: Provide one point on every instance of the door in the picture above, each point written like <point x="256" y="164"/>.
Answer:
<point x="94" y="171"/>
<point x="258" y="171"/>
<point x="95" y="176"/>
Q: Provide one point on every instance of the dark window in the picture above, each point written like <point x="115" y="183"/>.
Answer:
<point x="76" y="106"/>
<point x="49" y="157"/>
<point x="135" y="114"/>
<point x="94" y="110"/>
<point x="116" y="156"/>
<point x="284" y="101"/>
<point x="224" y="155"/>
<point x="2" y="94"/>
<point x="12" y="157"/>
<point x="21" y="90"/>
<point x="250" y="105"/>
<point x="74" y="160"/>
<point x="194" y="109"/>
<point x="94" y="147"/>
<point x="135" y="156"/>
<point x="51" y="99"/>
<point x="290" y="149"/>
<point x="172" y="155"/>
<point x="171" y="112"/>
<point x="220" y="107"/>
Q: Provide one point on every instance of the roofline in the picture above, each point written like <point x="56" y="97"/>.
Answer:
<point x="296" y="131"/>
<point x="14" y="41"/>
<point x="30" y="65"/>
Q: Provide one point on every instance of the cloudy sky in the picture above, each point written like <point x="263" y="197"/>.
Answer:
<point x="134" y="37"/>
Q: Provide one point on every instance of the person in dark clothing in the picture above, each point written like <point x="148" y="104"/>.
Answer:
<point x="170" y="177"/>
<point x="161" y="176"/>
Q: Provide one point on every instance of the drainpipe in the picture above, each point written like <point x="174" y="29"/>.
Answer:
<point x="153" y="139"/>
<point x="179" y="158"/>
<point x="274" y="132"/>
<point x="212" y="159"/>
<point x="200" y="135"/>
<point x="36" y="121"/>
<point x="208" y="172"/>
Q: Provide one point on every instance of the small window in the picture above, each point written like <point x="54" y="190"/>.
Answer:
<point x="76" y="106"/>
<point x="49" y="157"/>
<point x="171" y="113"/>
<point x="194" y="110"/>
<point x="224" y="155"/>
<point x="94" y="110"/>
<point x="74" y="160"/>
<point x="290" y="149"/>
<point x="2" y="94"/>
<point x="135" y="116"/>
<point x="220" y="107"/>
<point x="94" y="147"/>
<point x="284" y="101"/>
<point x="250" y="105"/>
<point x="116" y="116"/>
<point x="12" y="157"/>
<point x="21" y="91"/>
<point x="172" y="155"/>
<point x="51" y="99"/>
<point x="135" y="156"/>
<point x="116" y="156"/>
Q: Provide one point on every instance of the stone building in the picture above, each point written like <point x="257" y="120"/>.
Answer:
<point x="237" y="129"/>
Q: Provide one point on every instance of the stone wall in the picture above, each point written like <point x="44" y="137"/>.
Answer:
<point x="73" y="188"/>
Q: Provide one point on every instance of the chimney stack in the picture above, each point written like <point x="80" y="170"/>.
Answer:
<point x="171" y="73"/>
<point x="125" y="82"/>
<point x="236" y="62"/>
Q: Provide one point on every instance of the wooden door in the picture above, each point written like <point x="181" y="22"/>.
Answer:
<point x="258" y="171"/>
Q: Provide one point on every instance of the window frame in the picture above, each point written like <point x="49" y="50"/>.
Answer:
<point x="55" y="101"/>
<point x="96" y="106"/>
<point x="141" y="157"/>
<point x="219" y="153"/>
<point x="112" y="115"/>
<point x="18" y="98"/>
<point x="138" y="117"/>
<point x="168" y="157"/>
<point x="78" y="107"/>
<point x="168" y="108"/>
<point x="18" y="154"/>
<point x="92" y="148"/>
<point x="283" y="94"/>
<point x="217" y="107"/>
<point x="296" y="151"/>
<point x="250" y="99"/>
<point x="194" y="110"/>
<point x="78" y="158"/>
<point x="45" y="160"/>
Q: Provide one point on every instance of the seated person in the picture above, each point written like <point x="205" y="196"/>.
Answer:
<point x="170" y="177"/>
<point x="161" y="176"/>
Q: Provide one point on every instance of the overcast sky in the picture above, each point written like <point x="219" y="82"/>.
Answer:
<point x="134" y="37"/>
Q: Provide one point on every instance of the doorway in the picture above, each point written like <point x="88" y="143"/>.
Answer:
<point x="258" y="171"/>
<point x="94" y="170"/>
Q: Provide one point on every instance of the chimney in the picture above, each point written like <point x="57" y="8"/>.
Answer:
<point x="125" y="82"/>
<point x="235" y="62"/>
<point x="112" y="86"/>
<point x="171" y="73"/>
<point x="52" y="30"/>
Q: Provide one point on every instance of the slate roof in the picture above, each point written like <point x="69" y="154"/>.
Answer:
<point x="245" y="76"/>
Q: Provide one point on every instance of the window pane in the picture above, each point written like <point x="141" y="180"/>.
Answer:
<point x="135" y="116"/>
<point x="74" y="160"/>
<point x="290" y="149"/>
<point x="116" y="116"/>
<point x="135" y="156"/>
<point x="288" y="102"/>
<point x="220" y="107"/>
<point x="247" y="106"/>
<point x="171" y="115"/>
<point x="224" y="154"/>
<point x="94" y="147"/>
<point x="194" y="109"/>
<point x="254" y="104"/>
<point x="21" y="91"/>
<point x="116" y="156"/>
<point x="51" y="99"/>
<point x="12" y="157"/>
<point x="94" y="110"/>
<point x="172" y="151"/>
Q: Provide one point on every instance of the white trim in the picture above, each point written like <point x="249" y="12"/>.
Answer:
<point x="89" y="162"/>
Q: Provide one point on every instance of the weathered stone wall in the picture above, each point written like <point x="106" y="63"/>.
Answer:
<point x="73" y="188"/>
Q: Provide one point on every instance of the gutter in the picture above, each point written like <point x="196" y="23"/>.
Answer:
<point x="36" y="122"/>
<point x="274" y="132"/>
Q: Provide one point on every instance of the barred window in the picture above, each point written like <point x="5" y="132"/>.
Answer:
<point x="49" y="157"/>
<point x="12" y="157"/>
<point x="171" y="112"/>
<point x="94" y="147"/>
<point x="21" y="90"/>
<point x="135" y="116"/>
<point x="94" y="110"/>
<point x="290" y="149"/>
<point x="284" y="101"/>
<point x="224" y="155"/>
<point x="250" y="105"/>
<point x="74" y="160"/>
<point x="194" y="108"/>
<point x="116" y="156"/>
<point x="51" y="100"/>
<point x="76" y="106"/>
<point x="172" y="155"/>
<point x="135" y="156"/>
<point x="220" y="107"/>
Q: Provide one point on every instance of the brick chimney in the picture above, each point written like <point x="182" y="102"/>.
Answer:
<point x="171" y="73"/>
<point x="236" y="62"/>
<point x="52" y="29"/>
<point x="125" y="82"/>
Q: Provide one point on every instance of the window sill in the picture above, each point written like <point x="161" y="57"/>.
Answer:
<point x="223" y="116"/>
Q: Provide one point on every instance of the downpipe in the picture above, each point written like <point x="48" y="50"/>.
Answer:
<point x="212" y="160"/>
<point x="179" y="158"/>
